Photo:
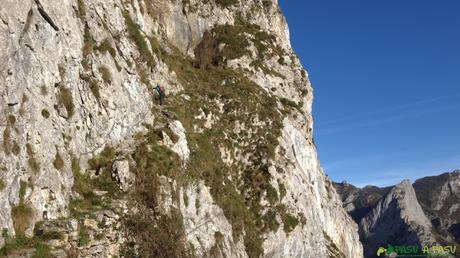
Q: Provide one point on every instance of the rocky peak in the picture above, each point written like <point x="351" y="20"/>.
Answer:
<point x="359" y="201"/>
<point x="446" y="186"/>
<point x="439" y="197"/>
<point x="422" y="213"/>
<point x="397" y="218"/>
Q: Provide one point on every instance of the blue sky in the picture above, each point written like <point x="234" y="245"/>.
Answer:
<point x="386" y="79"/>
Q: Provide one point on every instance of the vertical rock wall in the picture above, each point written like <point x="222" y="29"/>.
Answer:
<point x="78" y="77"/>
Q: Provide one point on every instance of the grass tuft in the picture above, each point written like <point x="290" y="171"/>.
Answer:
<point x="289" y="222"/>
<point x="83" y="236"/>
<point x="7" y="140"/>
<point x="11" y="119"/>
<point x="290" y="103"/>
<point x="58" y="162"/>
<point x="136" y="36"/>
<point x="45" y="113"/>
<point x="95" y="89"/>
<point x="88" y="42"/>
<point x="14" y="246"/>
<point x="106" y="75"/>
<point x="272" y="194"/>
<point x="85" y="186"/>
<point x="32" y="161"/>
<point x="81" y="10"/>
<point x="65" y="99"/>
<point x="22" y="213"/>
<point x="16" y="149"/>
<point x="226" y="42"/>
<point x="42" y="251"/>
<point x="106" y="46"/>
<point x="104" y="159"/>
<point x="226" y="3"/>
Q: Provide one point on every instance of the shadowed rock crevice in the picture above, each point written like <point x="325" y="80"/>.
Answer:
<point x="45" y="15"/>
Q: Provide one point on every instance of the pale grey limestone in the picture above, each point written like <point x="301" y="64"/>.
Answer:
<point x="37" y="63"/>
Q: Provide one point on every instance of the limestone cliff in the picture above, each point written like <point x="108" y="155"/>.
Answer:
<point x="92" y="166"/>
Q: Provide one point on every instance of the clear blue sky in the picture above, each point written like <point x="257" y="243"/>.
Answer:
<point x="386" y="79"/>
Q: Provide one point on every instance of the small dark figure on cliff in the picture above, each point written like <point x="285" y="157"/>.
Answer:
<point x="161" y="92"/>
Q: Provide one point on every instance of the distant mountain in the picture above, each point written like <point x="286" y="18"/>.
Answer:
<point x="439" y="197"/>
<point x="359" y="201"/>
<point x="426" y="212"/>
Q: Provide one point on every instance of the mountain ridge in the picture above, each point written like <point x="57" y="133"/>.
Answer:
<point x="427" y="211"/>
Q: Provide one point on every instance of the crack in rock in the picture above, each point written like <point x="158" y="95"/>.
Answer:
<point x="45" y="16"/>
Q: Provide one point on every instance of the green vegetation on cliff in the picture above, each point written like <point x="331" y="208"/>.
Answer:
<point x="238" y="188"/>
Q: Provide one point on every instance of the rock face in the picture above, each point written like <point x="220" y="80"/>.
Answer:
<point x="439" y="197"/>
<point x="359" y="202"/>
<point x="91" y="165"/>
<point x="397" y="218"/>
<point x="424" y="213"/>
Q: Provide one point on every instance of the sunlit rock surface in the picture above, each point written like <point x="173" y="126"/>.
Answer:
<point x="91" y="165"/>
